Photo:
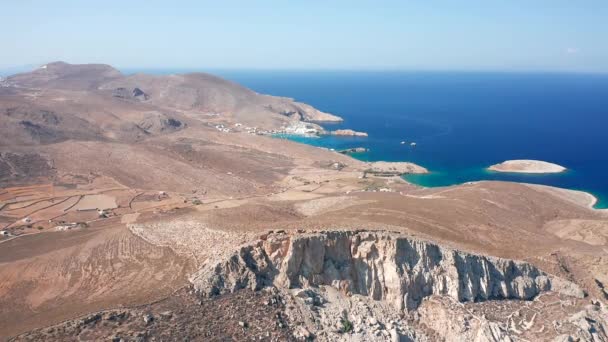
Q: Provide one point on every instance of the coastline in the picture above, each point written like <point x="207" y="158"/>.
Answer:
<point x="580" y="197"/>
<point x="587" y="199"/>
<point x="362" y="112"/>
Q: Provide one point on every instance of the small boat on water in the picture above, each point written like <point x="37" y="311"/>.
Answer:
<point x="403" y="143"/>
<point x="413" y="144"/>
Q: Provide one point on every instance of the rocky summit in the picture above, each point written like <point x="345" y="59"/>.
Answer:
<point x="383" y="266"/>
<point x="401" y="273"/>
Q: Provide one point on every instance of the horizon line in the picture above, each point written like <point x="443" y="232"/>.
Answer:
<point x="429" y="70"/>
<point x="30" y="67"/>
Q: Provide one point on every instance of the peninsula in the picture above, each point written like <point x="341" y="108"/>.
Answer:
<point x="395" y="168"/>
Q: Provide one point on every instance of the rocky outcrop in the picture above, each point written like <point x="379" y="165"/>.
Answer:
<point x="154" y="122"/>
<point x="354" y="150"/>
<point x="130" y="94"/>
<point x="388" y="267"/>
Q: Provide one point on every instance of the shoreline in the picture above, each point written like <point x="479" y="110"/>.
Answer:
<point x="592" y="199"/>
<point x="572" y="195"/>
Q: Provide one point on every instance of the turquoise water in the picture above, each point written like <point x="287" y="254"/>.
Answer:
<point x="438" y="178"/>
<point x="461" y="122"/>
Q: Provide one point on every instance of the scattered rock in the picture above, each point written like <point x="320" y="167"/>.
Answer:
<point x="91" y="319"/>
<point x="302" y="333"/>
<point x="148" y="318"/>
<point x="166" y="314"/>
<point x="117" y="316"/>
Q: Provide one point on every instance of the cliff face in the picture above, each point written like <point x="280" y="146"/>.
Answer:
<point x="384" y="266"/>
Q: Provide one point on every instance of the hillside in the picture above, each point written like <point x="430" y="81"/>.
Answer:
<point x="66" y="88"/>
<point x="146" y="207"/>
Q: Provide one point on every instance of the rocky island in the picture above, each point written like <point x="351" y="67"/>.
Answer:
<point x="527" y="166"/>
<point x="348" y="133"/>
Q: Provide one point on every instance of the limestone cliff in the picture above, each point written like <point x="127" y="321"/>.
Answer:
<point x="388" y="267"/>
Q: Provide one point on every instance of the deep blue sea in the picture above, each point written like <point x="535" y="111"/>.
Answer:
<point x="461" y="122"/>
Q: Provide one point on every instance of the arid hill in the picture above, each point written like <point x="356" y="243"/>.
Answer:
<point x="116" y="104"/>
<point x="143" y="207"/>
<point x="61" y="75"/>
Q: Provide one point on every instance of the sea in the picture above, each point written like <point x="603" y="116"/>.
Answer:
<point x="460" y="122"/>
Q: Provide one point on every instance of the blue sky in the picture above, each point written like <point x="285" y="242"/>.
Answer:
<point x="537" y="35"/>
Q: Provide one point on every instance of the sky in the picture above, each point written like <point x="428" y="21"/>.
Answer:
<point x="497" y="35"/>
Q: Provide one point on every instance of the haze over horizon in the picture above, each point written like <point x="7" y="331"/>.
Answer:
<point x="476" y="35"/>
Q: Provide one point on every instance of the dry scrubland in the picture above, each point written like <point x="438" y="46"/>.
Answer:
<point x="134" y="207"/>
